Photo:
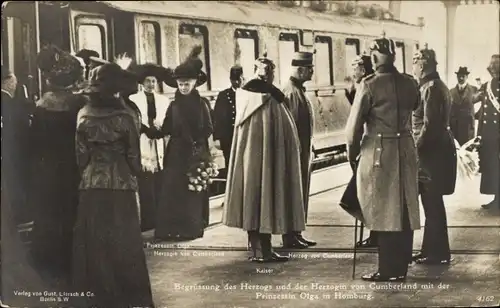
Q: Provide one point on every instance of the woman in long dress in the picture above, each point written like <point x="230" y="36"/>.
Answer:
<point x="183" y="214"/>
<point x="153" y="108"/>
<point x="108" y="256"/>
<point x="54" y="173"/>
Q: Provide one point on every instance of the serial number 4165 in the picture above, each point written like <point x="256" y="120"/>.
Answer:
<point x="485" y="298"/>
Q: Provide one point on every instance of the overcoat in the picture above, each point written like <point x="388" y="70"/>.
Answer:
<point x="489" y="130"/>
<point x="436" y="149"/>
<point x="387" y="169"/>
<point x="303" y="116"/>
<point x="264" y="189"/>
<point x="462" y="122"/>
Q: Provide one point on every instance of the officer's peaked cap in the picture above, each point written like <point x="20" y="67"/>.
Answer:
<point x="302" y="58"/>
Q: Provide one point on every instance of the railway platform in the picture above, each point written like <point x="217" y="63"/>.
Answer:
<point x="214" y="272"/>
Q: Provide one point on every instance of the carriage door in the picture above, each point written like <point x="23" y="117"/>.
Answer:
<point x="19" y="45"/>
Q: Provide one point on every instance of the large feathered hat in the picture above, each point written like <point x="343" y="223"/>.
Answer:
<point x="59" y="67"/>
<point x="150" y="69"/>
<point x="190" y="68"/>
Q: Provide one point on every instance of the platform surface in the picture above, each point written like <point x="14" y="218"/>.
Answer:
<point x="213" y="271"/>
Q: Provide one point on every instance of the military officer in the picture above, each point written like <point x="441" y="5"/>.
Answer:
<point x="362" y="67"/>
<point x="489" y="130"/>
<point x="302" y="114"/>
<point x="225" y="112"/>
<point x="379" y="136"/>
<point x="462" y="121"/>
<point x="437" y="157"/>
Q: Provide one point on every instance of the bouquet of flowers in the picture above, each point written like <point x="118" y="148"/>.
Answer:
<point x="201" y="171"/>
<point x="468" y="158"/>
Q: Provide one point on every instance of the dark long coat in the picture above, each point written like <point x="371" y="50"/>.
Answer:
<point x="462" y="122"/>
<point x="55" y="177"/>
<point x="436" y="148"/>
<point x="489" y="130"/>
<point x="16" y="154"/>
<point x="387" y="170"/>
<point x="302" y="113"/>
<point x="183" y="214"/>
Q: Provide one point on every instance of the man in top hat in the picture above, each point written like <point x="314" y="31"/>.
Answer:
<point x="462" y="122"/>
<point x="225" y="112"/>
<point x="153" y="108"/>
<point x="303" y="116"/>
<point x="380" y="143"/>
<point x="437" y="157"/>
<point x="362" y="67"/>
<point x="264" y="193"/>
<point x="489" y="130"/>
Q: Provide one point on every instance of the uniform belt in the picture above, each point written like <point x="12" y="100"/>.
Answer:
<point x="389" y="134"/>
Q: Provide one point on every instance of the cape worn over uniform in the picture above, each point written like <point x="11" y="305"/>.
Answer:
<point x="264" y="189"/>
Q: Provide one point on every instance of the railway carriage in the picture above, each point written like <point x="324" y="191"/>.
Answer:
<point x="230" y="32"/>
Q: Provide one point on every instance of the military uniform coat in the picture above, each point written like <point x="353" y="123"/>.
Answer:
<point x="462" y="122"/>
<point x="224" y="115"/>
<point x="387" y="169"/>
<point x="264" y="188"/>
<point x="436" y="148"/>
<point x="303" y="116"/>
<point x="489" y="130"/>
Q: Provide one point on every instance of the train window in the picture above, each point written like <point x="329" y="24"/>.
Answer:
<point x="92" y="36"/>
<point x="149" y="46"/>
<point x="400" y="57"/>
<point x="323" y="64"/>
<point x="190" y="36"/>
<point x="288" y="45"/>
<point x="352" y="50"/>
<point x="246" y="50"/>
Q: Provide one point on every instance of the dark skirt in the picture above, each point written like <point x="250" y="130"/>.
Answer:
<point x="182" y="214"/>
<point x="149" y="198"/>
<point x="108" y="255"/>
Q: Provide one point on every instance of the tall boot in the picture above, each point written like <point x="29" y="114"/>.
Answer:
<point x="267" y="250"/>
<point x="254" y="242"/>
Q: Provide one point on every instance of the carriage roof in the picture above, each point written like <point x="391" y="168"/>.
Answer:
<point x="263" y="14"/>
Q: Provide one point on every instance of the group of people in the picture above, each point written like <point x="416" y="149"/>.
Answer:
<point x="401" y="145"/>
<point x="87" y="155"/>
<point x="92" y="156"/>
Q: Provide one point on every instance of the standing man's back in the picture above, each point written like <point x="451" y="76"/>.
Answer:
<point x="379" y="135"/>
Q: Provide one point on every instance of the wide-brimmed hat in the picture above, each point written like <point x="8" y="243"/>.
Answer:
<point x="59" y="66"/>
<point x="87" y="54"/>
<point x="462" y="70"/>
<point x="190" y="68"/>
<point x="150" y="69"/>
<point x="109" y="77"/>
<point x="494" y="65"/>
